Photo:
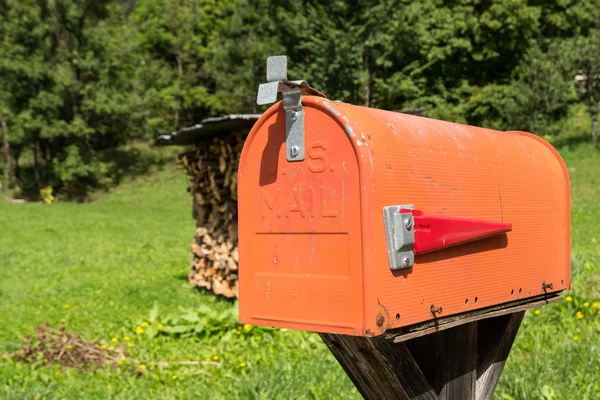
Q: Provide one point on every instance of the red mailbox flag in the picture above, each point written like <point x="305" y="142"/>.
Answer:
<point x="434" y="232"/>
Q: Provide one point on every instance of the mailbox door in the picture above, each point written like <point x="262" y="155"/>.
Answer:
<point x="300" y="228"/>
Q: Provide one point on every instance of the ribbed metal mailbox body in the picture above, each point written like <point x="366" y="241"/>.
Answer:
<point x="313" y="248"/>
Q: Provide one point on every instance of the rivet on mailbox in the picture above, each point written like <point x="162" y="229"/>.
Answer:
<point x="358" y="221"/>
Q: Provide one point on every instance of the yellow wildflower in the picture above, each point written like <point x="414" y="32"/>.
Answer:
<point x="174" y="377"/>
<point x="127" y="338"/>
<point x="247" y="327"/>
<point x="216" y="358"/>
<point x="122" y="358"/>
<point x="129" y="344"/>
<point x="69" y="347"/>
<point x="114" y="340"/>
<point x="595" y="304"/>
<point x="152" y="345"/>
<point x="102" y="346"/>
<point x="586" y="304"/>
<point x="579" y="315"/>
<point x="120" y="362"/>
<point x="146" y="324"/>
<point x="46" y="194"/>
<point x="160" y="326"/>
<point x="239" y="332"/>
<point x="142" y="367"/>
<point x="45" y="360"/>
<point x="67" y="306"/>
<point x="111" y="348"/>
<point x="242" y="364"/>
<point x="568" y="299"/>
<point x="62" y="320"/>
<point x="575" y="337"/>
<point x="207" y="359"/>
<point x="537" y="312"/>
<point x="139" y="330"/>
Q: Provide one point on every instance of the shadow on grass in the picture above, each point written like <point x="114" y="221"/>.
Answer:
<point x="184" y="277"/>
<point x="571" y="141"/>
<point x="181" y="277"/>
<point x="131" y="162"/>
<point x="219" y="297"/>
<point x="108" y="169"/>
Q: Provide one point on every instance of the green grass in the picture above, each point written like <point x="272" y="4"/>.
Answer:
<point x="113" y="259"/>
<point x="110" y="261"/>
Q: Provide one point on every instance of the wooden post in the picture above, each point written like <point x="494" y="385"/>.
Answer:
<point x="456" y="369"/>
<point x="495" y="340"/>
<point x="463" y="361"/>
<point x="380" y="368"/>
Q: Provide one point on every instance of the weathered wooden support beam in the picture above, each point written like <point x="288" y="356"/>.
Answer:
<point x="456" y="362"/>
<point x="380" y="368"/>
<point x="462" y="362"/>
<point x="496" y="337"/>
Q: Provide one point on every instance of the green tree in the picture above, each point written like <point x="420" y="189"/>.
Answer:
<point x="22" y="72"/>
<point x="584" y="52"/>
<point x="173" y="37"/>
<point x="252" y="31"/>
<point x="67" y="68"/>
<point x="538" y="93"/>
<point x="389" y="54"/>
<point x="78" y="77"/>
<point x="88" y="101"/>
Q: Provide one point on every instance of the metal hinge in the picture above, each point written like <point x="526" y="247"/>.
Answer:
<point x="292" y="103"/>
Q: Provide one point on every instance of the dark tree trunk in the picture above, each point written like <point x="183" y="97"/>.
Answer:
<point x="9" y="171"/>
<point x="6" y="149"/>
<point x="595" y="126"/>
<point x="179" y="96"/>
<point x="36" y="163"/>
<point x="367" y="85"/>
<point x="15" y="169"/>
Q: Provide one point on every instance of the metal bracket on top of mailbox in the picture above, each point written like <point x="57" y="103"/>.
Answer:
<point x="409" y="232"/>
<point x="292" y="92"/>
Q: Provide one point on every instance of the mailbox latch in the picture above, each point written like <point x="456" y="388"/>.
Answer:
<point x="409" y="232"/>
<point x="292" y="92"/>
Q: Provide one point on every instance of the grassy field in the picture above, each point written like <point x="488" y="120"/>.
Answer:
<point x="101" y="267"/>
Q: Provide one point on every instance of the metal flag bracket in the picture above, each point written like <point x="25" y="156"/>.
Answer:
<point x="292" y="92"/>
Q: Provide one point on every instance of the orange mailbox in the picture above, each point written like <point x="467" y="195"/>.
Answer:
<point x="355" y="220"/>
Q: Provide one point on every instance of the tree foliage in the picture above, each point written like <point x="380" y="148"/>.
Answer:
<point x="78" y="77"/>
<point x="585" y="62"/>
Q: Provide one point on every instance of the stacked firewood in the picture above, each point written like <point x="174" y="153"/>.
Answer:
<point x="213" y="167"/>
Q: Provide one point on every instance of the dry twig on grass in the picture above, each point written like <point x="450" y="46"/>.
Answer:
<point x="67" y="348"/>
